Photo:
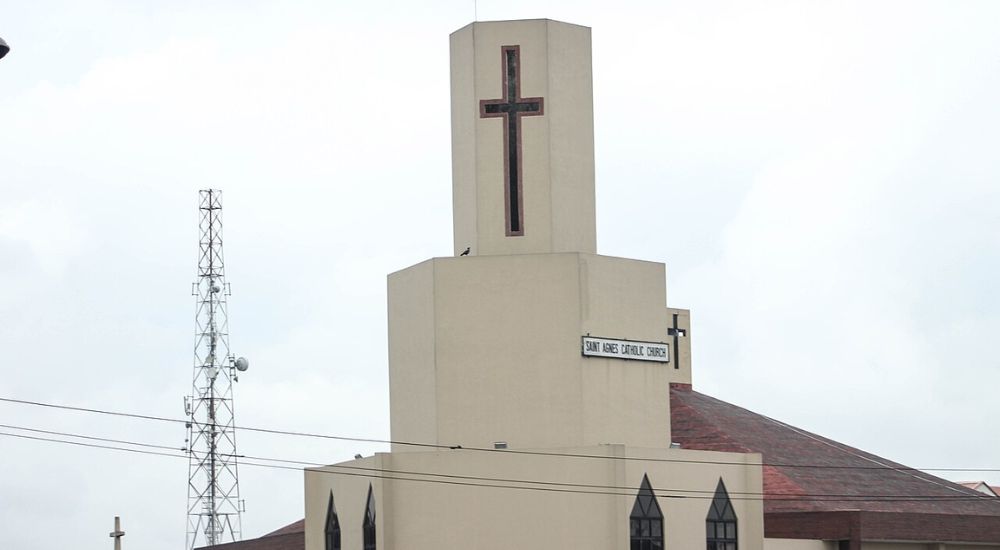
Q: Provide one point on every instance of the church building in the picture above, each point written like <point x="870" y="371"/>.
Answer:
<point x="541" y="393"/>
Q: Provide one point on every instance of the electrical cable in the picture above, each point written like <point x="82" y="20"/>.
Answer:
<point x="478" y="481"/>
<point x="90" y="437"/>
<point x="504" y="451"/>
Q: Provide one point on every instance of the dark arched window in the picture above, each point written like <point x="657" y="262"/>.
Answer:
<point x="368" y="526"/>
<point x="720" y="525"/>
<point x="332" y="529"/>
<point x="646" y="520"/>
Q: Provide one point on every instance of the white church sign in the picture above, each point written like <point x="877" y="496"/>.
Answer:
<point x="626" y="349"/>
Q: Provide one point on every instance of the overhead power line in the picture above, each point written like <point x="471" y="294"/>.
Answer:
<point x="90" y="437"/>
<point x="482" y="481"/>
<point x="457" y="447"/>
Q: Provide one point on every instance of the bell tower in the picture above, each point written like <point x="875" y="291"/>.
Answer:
<point x="532" y="338"/>
<point x="522" y="113"/>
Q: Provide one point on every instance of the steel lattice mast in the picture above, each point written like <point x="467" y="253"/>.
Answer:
<point x="214" y="505"/>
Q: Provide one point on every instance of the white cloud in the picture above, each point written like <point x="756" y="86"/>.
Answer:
<point x="52" y="232"/>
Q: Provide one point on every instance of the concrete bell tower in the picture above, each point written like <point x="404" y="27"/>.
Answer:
<point x="522" y="127"/>
<point x="496" y="345"/>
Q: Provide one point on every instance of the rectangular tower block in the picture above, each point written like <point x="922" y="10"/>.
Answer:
<point x="522" y="138"/>
<point x="488" y="348"/>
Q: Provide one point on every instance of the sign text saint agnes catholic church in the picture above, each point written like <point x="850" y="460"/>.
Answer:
<point x="625" y="349"/>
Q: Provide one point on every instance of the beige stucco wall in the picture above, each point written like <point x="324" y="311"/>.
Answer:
<point x="557" y="147"/>
<point x="350" y="489"/>
<point x="488" y="348"/>
<point x="415" y="515"/>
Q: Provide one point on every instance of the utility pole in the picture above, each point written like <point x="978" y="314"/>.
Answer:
<point x="117" y="534"/>
<point x="214" y="504"/>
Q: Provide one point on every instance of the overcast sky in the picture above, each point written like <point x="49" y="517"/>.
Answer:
<point x="820" y="178"/>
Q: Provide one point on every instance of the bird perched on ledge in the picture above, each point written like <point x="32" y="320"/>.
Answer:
<point x="466" y="252"/>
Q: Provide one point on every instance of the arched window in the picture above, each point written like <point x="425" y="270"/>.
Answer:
<point x="332" y="526"/>
<point x="646" y="520"/>
<point x="720" y="525"/>
<point x="368" y="526"/>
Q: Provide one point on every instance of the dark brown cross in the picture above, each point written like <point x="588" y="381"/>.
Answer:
<point x="511" y="107"/>
<point x="677" y="333"/>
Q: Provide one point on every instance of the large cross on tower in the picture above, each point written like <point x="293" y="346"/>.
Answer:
<point x="511" y="107"/>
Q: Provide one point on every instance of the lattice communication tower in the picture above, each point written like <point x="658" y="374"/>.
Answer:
<point x="214" y="505"/>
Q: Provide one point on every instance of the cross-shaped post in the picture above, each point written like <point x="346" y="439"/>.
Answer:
<point x="117" y="534"/>
<point x="677" y="333"/>
<point x="511" y="107"/>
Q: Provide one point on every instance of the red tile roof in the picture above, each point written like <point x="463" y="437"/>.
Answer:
<point x="295" y="527"/>
<point x="814" y="486"/>
<point x="805" y="472"/>
<point x="289" y="537"/>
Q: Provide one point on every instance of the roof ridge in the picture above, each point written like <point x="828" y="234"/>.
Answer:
<point x="705" y="422"/>
<point x="871" y="457"/>
<point x="703" y="418"/>
<point x="298" y="526"/>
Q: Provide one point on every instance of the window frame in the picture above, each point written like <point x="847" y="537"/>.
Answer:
<point x="646" y="520"/>
<point x="721" y="523"/>
<point x="368" y="538"/>
<point x="331" y="529"/>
